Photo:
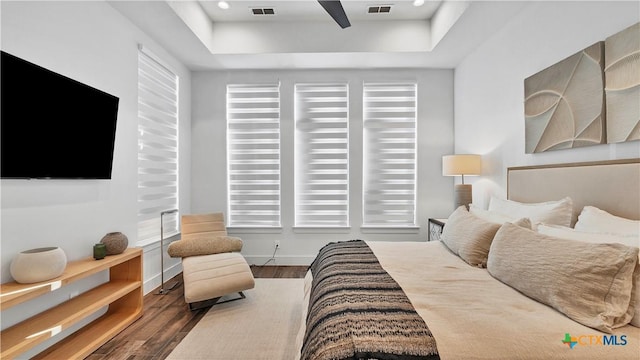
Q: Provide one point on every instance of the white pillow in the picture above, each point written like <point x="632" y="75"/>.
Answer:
<point x="592" y="219"/>
<point x="497" y="218"/>
<point x="599" y="238"/>
<point x="551" y="212"/>
<point x="591" y="237"/>
<point x="491" y="216"/>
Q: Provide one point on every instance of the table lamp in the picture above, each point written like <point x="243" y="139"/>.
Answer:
<point x="454" y="165"/>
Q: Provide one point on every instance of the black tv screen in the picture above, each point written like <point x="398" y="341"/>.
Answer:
<point x="53" y="127"/>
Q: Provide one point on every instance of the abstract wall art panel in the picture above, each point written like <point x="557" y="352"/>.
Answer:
<point x="622" y="89"/>
<point x="564" y="103"/>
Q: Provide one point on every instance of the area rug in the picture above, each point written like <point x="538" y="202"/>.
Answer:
<point x="262" y="326"/>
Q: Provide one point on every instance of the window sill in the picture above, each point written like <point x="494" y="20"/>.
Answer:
<point x="390" y="229"/>
<point x="254" y="230"/>
<point x="322" y="229"/>
<point x="167" y="239"/>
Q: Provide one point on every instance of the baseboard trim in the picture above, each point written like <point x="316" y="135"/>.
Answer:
<point x="154" y="282"/>
<point x="297" y="260"/>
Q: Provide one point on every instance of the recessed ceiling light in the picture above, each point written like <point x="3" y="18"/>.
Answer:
<point x="418" y="2"/>
<point x="223" y="5"/>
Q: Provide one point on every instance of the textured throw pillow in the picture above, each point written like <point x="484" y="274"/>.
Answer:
<point x="592" y="219"/>
<point x="205" y="245"/>
<point x="590" y="283"/>
<point x="599" y="238"/>
<point x="523" y="223"/>
<point x="468" y="236"/>
<point x="550" y="212"/>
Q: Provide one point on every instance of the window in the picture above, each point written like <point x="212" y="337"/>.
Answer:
<point x="322" y="155"/>
<point x="389" y="155"/>
<point x="157" y="147"/>
<point x="253" y="155"/>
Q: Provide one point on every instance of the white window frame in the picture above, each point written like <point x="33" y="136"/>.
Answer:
<point x="253" y="156"/>
<point x="321" y="155"/>
<point x="390" y="155"/>
<point x="158" y="168"/>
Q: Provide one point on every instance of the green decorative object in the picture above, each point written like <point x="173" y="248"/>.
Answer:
<point x="99" y="251"/>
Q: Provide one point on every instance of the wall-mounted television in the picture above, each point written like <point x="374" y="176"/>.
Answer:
<point x="53" y="127"/>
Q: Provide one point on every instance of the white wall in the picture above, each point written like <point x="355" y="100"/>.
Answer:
<point x="435" y="117"/>
<point x="92" y="43"/>
<point x="489" y="85"/>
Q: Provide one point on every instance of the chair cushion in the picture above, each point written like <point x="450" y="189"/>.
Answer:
<point x="204" y="245"/>
<point x="211" y="276"/>
<point x="197" y="225"/>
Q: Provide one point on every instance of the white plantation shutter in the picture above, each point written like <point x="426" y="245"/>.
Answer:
<point x="322" y="155"/>
<point x="157" y="147"/>
<point x="253" y="155"/>
<point x="389" y="155"/>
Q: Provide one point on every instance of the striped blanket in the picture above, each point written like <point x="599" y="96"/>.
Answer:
<point x="358" y="311"/>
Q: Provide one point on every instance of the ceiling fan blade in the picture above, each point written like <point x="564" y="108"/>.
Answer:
<point x="335" y="9"/>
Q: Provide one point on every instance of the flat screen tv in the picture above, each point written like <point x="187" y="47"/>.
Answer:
<point x="53" y="127"/>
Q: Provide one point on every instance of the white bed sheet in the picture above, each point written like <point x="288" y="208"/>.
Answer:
<point x="474" y="316"/>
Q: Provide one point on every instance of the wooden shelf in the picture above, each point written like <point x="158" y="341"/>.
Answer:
<point x="82" y="344"/>
<point x="122" y="294"/>
<point x="13" y="293"/>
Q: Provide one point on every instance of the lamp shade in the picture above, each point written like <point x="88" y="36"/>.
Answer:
<point x="453" y="165"/>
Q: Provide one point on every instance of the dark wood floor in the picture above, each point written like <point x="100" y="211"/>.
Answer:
<point x="167" y="320"/>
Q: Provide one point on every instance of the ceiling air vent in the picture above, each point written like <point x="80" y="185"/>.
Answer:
<point x="263" y="11"/>
<point x="379" y="9"/>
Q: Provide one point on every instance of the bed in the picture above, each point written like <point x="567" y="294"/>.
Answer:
<point x="441" y="306"/>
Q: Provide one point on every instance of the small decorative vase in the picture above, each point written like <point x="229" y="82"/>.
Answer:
<point x="116" y="242"/>
<point x="99" y="251"/>
<point x="35" y="265"/>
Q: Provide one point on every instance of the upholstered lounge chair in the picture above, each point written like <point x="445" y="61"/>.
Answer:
<point x="212" y="265"/>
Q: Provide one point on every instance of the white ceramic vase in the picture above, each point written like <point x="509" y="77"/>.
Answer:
<point x="35" y="265"/>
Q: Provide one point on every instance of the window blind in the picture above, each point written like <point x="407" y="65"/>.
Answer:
<point x="253" y="154"/>
<point x="322" y="155"/>
<point x="389" y="155"/>
<point x="157" y="147"/>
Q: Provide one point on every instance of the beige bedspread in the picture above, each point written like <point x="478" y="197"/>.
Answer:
<point x="474" y="316"/>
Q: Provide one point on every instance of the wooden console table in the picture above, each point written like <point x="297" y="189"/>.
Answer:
<point x="122" y="294"/>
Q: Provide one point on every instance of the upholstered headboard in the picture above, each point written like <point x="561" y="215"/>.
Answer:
<point x="613" y="186"/>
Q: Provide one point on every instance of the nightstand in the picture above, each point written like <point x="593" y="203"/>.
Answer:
<point x="435" y="228"/>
